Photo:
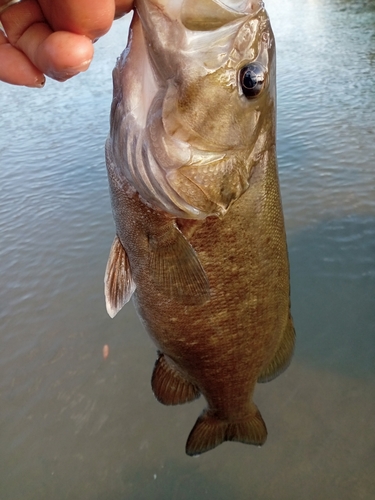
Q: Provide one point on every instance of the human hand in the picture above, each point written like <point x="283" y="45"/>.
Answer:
<point x="52" y="37"/>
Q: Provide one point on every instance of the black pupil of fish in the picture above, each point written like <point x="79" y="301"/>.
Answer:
<point x="252" y="79"/>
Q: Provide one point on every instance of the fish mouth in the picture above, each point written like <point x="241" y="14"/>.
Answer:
<point x="208" y="15"/>
<point x="241" y="6"/>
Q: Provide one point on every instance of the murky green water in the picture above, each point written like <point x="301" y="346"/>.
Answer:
<point x="75" y="426"/>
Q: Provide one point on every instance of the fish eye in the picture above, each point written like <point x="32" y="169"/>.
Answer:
<point x="252" y="79"/>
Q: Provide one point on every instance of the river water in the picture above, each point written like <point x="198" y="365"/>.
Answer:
<point x="76" y="426"/>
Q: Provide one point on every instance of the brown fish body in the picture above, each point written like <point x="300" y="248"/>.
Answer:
<point x="213" y="291"/>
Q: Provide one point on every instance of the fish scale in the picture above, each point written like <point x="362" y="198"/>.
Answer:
<point x="210" y="276"/>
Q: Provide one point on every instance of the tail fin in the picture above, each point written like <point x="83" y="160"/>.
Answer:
<point x="209" y="431"/>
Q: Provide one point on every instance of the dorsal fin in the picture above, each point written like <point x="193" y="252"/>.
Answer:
<point x="282" y="357"/>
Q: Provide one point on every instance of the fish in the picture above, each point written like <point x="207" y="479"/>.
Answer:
<point x="200" y="241"/>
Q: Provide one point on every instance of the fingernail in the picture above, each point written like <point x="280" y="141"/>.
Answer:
<point x="61" y="76"/>
<point x="82" y="67"/>
<point x="37" y="84"/>
<point x="41" y="83"/>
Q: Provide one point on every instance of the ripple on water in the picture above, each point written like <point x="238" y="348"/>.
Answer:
<point x="76" y="426"/>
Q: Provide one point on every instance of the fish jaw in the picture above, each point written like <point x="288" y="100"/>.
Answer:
<point x="179" y="121"/>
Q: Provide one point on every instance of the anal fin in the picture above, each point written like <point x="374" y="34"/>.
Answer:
<point x="169" y="386"/>
<point x="209" y="431"/>
<point x="283" y="356"/>
<point x="118" y="283"/>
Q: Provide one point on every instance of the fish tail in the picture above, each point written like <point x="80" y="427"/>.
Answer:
<point x="209" y="431"/>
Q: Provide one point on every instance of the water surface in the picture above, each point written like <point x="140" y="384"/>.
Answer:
<point x="76" y="426"/>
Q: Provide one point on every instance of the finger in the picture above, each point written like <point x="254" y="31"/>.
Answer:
<point x="123" y="7"/>
<point x="92" y="18"/>
<point x="59" y="55"/>
<point x="15" y="67"/>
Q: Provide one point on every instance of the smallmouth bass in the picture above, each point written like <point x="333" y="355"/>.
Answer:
<point x="200" y="243"/>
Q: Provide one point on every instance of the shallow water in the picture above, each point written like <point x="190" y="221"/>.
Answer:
<point x="76" y="426"/>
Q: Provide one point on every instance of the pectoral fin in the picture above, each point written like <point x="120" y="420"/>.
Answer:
<point x="175" y="266"/>
<point x="118" y="283"/>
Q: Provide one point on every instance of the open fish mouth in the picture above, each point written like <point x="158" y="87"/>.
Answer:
<point x="212" y="14"/>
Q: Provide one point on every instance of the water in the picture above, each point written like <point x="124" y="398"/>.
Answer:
<point x="76" y="426"/>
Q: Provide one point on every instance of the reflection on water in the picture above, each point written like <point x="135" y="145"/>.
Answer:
<point x="75" y="426"/>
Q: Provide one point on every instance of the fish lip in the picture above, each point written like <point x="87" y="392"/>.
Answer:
<point x="253" y="8"/>
<point x="248" y="6"/>
<point x="214" y="17"/>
